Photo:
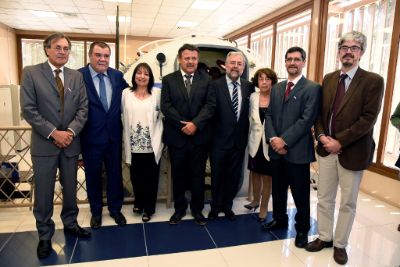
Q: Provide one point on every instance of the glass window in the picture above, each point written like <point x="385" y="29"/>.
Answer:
<point x="375" y="20"/>
<point x="261" y="46"/>
<point x="393" y="136"/>
<point x="294" y="31"/>
<point x="242" y="42"/>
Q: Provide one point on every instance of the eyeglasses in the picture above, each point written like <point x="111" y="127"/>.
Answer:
<point x="294" y="59"/>
<point x="61" y="49"/>
<point x="354" y="48"/>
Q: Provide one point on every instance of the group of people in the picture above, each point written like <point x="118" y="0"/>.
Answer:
<point x="196" y="118"/>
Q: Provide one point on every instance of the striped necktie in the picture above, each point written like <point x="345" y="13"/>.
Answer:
<point x="235" y="99"/>
<point x="60" y="87"/>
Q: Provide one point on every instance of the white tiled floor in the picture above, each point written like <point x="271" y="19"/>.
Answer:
<point x="374" y="241"/>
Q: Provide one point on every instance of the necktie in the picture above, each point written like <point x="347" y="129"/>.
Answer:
<point x="289" y="87"/>
<point x="235" y="99"/>
<point x="60" y="87"/>
<point x="102" y="89"/>
<point x="188" y="84"/>
<point x="340" y="92"/>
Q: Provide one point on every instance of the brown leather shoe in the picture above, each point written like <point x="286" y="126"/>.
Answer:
<point x="340" y="255"/>
<point x="318" y="245"/>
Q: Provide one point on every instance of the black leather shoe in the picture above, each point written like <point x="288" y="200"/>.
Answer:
<point x="146" y="217"/>
<point x="176" y="217"/>
<point x="95" y="222"/>
<point x="340" y="255"/>
<point x="318" y="245"/>
<point x="119" y="218"/>
<point x="274" y="225"/>
<point x="250" y="207"/>
<point x="212" y="215"/>
<point x="43" y="249"/>
<point x="199" y="218"/>
<point x="301" y="240"/>
<point x="230" y="215"/>
<point x="78" y="231"/>
<point x="137" y="210"/>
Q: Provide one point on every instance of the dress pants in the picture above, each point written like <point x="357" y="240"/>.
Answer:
<point x="297" y="177"/>
<point x="144" y="172"/>
<point x="226" y="174"/>
<point x="44" y="175"/>
<point x="332" y="175"/>
<point x="188" y="166"/>
<point x="93" y="158"/>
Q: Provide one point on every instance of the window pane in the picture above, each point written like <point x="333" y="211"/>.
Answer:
<point x="32" y="52"/>
<point x="242" y="42"/>
<point x="393" y="136"/>
<point x="375" y="20"/>
<point x="294" y="31"/>
<point x="261" y="46"/>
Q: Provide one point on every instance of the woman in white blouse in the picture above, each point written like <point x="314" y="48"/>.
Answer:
<point x="259" y="165"/>
<point x="142" y="121"/>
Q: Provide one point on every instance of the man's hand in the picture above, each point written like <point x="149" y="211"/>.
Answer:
<point x="278" y="145"/>
<point x="189" y="128"/>
<point x="62" y="139"/>
<point x="331" y="145"/>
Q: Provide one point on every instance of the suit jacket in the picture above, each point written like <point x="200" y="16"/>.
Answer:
<point x="228" y="131"/>
<point x="177" y="105"/>
<point x="355" y="118"/>
<point x="256" y="135"/>
<point x="103" y="126"/>
<point x="154" y="118"/>
<point x="40" y="104"/>
<point x="292" y="119"/>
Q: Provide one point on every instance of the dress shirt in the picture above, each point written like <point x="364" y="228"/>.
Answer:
<point x="107" y="82"/>
<point x="230" y="88"/>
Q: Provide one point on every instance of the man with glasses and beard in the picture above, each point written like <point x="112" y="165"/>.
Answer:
<point x="231" y="130"/>
<point x="351" y="101"/>
<point x="292" y="113"/>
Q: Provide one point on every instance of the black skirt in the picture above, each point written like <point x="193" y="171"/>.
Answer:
<point x="259" y="163"/>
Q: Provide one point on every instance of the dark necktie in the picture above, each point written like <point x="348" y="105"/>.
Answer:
<point x="188" y="84"/>
<point x="102" y="89"/>
<point x="340" y="92"/>
<point x="289" y="87"/>
<point x="60" y="87"/>
<point x="235" y="99"/>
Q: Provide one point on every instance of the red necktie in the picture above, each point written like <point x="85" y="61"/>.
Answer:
<point x="288" y="90"/>
<point x="340" y="92"/>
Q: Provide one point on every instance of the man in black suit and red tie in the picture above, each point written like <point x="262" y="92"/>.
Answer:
<point x="188" y="106"/>
<point x="290" y="117"/>
<point x="231" y="130"/>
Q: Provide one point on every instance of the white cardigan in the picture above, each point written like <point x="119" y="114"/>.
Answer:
<point x="155" y="123"/>
<point x="257" y="129"/>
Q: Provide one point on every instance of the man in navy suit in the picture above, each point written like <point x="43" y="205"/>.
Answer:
<point x="291" y="114"/>
<point x="188" y="108"/>
<point x="102" y="134"/>
<point x="231" y="130"/>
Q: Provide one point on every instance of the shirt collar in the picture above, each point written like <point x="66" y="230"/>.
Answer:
<point x="53" y="68"/>
<point x="93" y="73"/>
<point x="229" y="81"/>
<point x="184" y="73"/>
<point x="350" y="73"/>
<point x="296" y="80"/>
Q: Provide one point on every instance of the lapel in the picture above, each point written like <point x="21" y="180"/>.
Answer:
<point x="331" y="92"/>
<point x="67" y="83"/>
<point x="195" y="82"/>
<point x="295" y="90"/>
<point x="352" y="89"/>
<point x="48" y="73"/>
<point x="255" y="109"/>
<point x="113" y="86"/>
<point x="243" y="89"/>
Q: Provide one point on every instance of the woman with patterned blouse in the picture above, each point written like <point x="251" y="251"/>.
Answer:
<point x="142" y="121"/>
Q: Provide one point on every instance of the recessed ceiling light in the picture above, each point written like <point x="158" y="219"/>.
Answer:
<point x="121" y="18"/>
<point x="118" y="1"/>
<point x="209" y="5"/>
<point x="186" y="24"/>
<point x="43" y="14"/>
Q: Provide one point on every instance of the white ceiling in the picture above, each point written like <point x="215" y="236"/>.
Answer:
<point x="152" y="18"/>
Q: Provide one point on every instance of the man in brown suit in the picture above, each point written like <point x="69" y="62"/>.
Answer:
<point x="351" y="100"/>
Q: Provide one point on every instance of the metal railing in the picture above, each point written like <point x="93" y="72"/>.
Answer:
<point x="16" y="174"/>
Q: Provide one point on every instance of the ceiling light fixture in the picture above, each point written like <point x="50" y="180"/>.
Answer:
<point x="209" y="5"/>
<point x="186" y="24"/>
<point x="43" y="14"/>
<point x="121" y="18"/>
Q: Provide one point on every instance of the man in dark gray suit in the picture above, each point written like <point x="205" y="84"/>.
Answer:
<point x="292" y="113"/>
<point x="231" y="130"/>
<point x="54" y="103"/>
<point x="188" y="107"/>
